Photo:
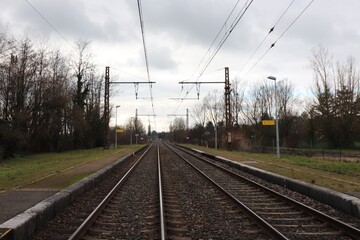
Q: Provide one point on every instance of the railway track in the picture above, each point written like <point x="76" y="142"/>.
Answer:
<point x="65" y="223"/>
<point x="129" y="211"/>
<point x="289" y="218"/>
<point x="196" y="209"/>
<point x="171" y="193"/>
<point x="153" y="201"/>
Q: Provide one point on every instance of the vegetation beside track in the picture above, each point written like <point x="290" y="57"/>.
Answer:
<point x="20" y="171"/>
<point x="336" y="175"/>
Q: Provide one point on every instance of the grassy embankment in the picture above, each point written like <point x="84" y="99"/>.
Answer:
<point x="21" y="171"/>
<point x="340" y="176"/>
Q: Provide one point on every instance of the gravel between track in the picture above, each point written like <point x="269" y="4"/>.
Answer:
<point x="193" y="208"/>
<point x="63" y="225"/>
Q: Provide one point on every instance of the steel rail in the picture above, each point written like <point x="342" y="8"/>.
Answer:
<point x="80" y="232"/>
<point x="7" y="234"/>
<point x="263" y="223"/>
<point x="161" y="199"/>
<point x="333" y="222"/>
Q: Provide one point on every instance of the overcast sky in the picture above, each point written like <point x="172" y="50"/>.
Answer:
<point x="178" y="34"/>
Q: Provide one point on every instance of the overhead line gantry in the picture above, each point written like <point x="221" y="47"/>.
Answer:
<point x="182" y="115"/>
<point x="107" y="102"/>
<point x="197" y="84"/>
<point x="227" y="101"/>
<point x="136" y="85"/>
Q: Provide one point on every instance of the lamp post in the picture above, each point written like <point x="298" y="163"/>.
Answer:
<point x="116" y="125"/>
<point x="276" y="119"/>
<point x="216" y="137"/>
<point x="215" y="125"/>
<point x="131" y="119"/>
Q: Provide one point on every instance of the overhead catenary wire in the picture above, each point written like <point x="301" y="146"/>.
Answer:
<point x="266" y="36"/>
<point x="221" y="42"/>
<point x="292" y="23"/>
<point x="48" y="22"/>
<point x="216" y="37"/>
<point x="146" y="56"/>
<point x="143" y="37"/>
<point x="281" y="35"/>
<point x="226" y="36"/>
<point x="127" y="73"/>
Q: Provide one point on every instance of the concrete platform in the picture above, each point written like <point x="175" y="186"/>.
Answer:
<point x="24" y="210"/>
<point x="349" y="204"/>
<point x="14" y="202"/>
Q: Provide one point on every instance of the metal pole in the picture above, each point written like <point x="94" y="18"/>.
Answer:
<point x="106" y="108"/>
<point x="228" y="118"/>
<point x="276" y="119"/>
<point x="116" y="126"/>
<point x="131" y="136"/>
<point x="277" y="125"/>
<point x="215" y="125"/>
<point x="216" y="137"/>
<point x="131" y="119"/>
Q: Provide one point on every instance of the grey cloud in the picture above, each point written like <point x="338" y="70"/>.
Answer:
<point x="73" y="19"/>
<point x="192" y="21"/>
<point x="160" y="57"/>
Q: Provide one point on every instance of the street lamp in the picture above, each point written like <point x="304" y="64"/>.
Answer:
<point x="131" y="120"/>
<point x="215" y="123"/>
<point x="116" y="125"/>
<point x="276" y="119"/>
<point x="216" y="137"/>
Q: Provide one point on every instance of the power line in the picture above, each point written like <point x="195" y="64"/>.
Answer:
<point x="52" y="26"/>
<point x="146" y="57"/>
<point x="226" y="36"/>
<point x="221" y="42"/>
<point x="216" y="37"/>
<point x="262" y="42"/>
<point x="127" y="73"/>
<point x="283" y="33"/>
<point x="293" y="22"/>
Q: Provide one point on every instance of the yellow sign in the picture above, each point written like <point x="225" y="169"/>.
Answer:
<point x="268" y="122"/>
<point x="120" y="130"/>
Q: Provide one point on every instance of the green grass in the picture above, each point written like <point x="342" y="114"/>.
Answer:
<point x="343" y="176"/>
<point x="23" y="170"/>
<point x="346" y="168"/>
<point x="71" y="181"/>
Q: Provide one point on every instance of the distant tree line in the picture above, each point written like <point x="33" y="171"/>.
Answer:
<point x="329" y="118"/>
<point x="48" y="101"/>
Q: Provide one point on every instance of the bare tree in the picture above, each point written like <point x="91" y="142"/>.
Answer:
<point x="39" y="108"/>
<point x="215" y="107"/>
<point x="336" y="105"/>
<point x="259" y="103"/>
<point x="7" y="43"/>
<point x="5" y="72"/>
<point x="237" y="99"/>
<point x="81" y="64"/>
<point x="287" y="113"/>
<point x="199" y="113"/>
<point x="178" y="129"/>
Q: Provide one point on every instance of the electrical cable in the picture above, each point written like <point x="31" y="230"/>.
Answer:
<point x="146" y="57"/>
<point x="274" y="43"/>
<point x="267" y="35"/>
<point x="52" y="26"/>
<point x="222" y="41"/>
<point x="226" y="36"/>
<point x="216" y="37"/>
<point x="130" y="74"/>
<point x="293" y="22"/>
